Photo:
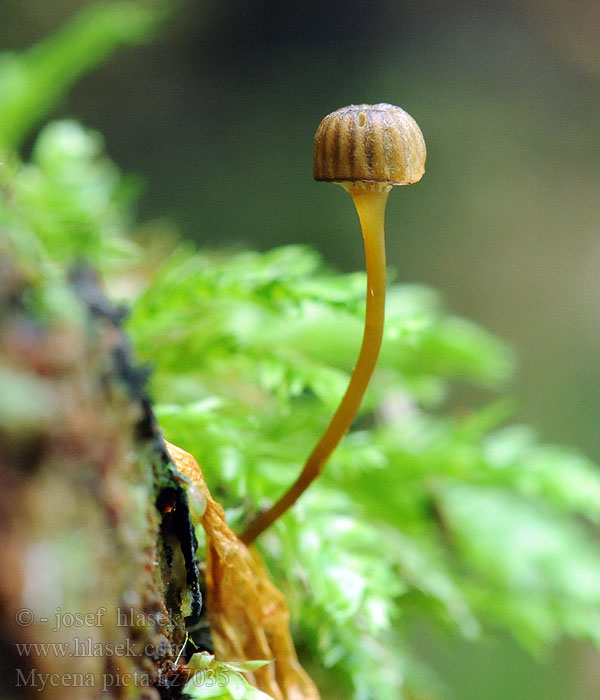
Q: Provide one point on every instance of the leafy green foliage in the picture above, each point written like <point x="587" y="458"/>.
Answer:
<point x="69" y="200"/>
<point x="417" y="510"/>
<point x="31" y="83"/>
<point x="222" y="679"/>
<point x="428" y="509"/>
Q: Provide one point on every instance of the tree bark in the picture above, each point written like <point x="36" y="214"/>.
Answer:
<point x="97" y="571"/>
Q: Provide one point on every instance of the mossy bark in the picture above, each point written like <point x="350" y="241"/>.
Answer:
<point x="97" y="560"/>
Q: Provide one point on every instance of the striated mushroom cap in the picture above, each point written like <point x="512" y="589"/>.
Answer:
<point x="369" y="143"/>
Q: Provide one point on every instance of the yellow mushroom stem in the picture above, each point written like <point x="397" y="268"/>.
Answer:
<point x="370" y="199"/>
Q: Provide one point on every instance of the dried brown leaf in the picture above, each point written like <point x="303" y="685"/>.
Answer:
<point x="249" y="617"/>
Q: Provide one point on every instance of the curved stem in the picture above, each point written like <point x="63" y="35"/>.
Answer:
<point x="370" y="201"/>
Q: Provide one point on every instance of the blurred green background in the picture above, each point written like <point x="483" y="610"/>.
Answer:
<point x="218" y="116"/>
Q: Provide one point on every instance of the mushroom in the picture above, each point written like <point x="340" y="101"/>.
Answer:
<point x="367" y="149"/>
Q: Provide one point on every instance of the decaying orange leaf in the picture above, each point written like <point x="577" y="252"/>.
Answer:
<point x="249" y="617"/>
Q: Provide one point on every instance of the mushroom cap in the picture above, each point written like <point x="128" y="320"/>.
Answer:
<point x="369" y="143"/>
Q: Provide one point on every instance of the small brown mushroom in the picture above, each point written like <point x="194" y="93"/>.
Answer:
<point x="367" y="149"/>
